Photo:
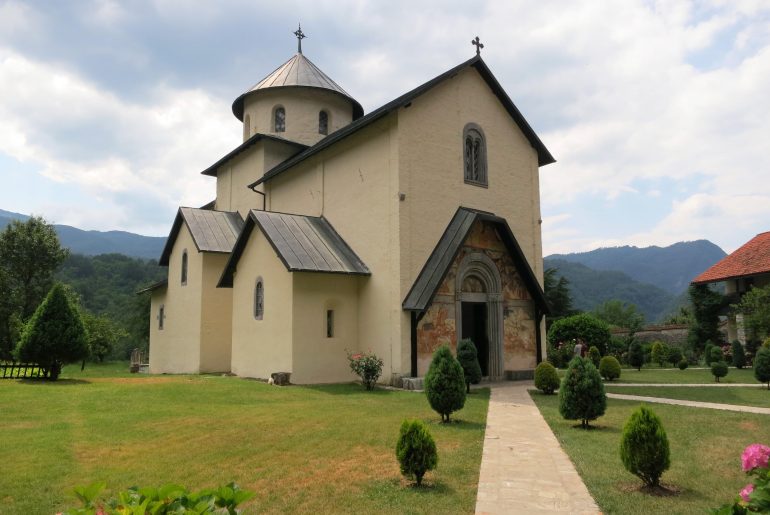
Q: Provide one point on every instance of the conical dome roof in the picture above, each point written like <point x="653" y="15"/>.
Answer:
<point x="298" y="71"/>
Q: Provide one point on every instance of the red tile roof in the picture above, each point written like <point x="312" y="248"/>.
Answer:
<point x="753" y="258"/>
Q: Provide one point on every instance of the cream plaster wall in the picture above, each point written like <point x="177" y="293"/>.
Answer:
<point x="216" y="317"/>
<point x="261" y="347"/>
<point x="176" y="348"/>
<point x="302" y="106"/>
<point x="157" y="335"/>
<point x="316" y="358"/>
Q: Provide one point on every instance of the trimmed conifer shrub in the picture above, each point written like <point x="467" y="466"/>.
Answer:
<point x="445" y="383"/>
<point x="683" y="364"/>
<point x="546" y="378"/>
<point x="644" y="447"/>
<point x="468" y="357"/>
<point x="674" y="355"/>
<point x="762" y="366"/>
<point x="717" y="354"/>
<point x="739" y="355"/>
<point x="636" y="355"/>
<point x="707" y="352"/>
<point x="718" y="369"/>
<point x="416" y="450"/>
<point x="54" y="336"/>
<point x="609" y="368"/>
<point x="581" y="394"/>
<point x="658" y="354"/>
<point x="595" y="356"/>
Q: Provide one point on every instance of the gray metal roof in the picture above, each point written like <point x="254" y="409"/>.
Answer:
<point x="436" y="267"/>
<point x="154" y="286"/>
<point x="302" y="243"/>
<point x="212" y="231"/>
<point x="298" y="71"/>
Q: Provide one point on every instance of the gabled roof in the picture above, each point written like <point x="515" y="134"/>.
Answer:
<point x="154" y="286"/>
<point x="303" y="243"/>
<point x="212" y="170"/>
<point x="544" y="157"/>
<point x="212" y="231"/>
<point x="298" y="71"/>
<point x="753" y="258"/>
<point x="436" y="267"/>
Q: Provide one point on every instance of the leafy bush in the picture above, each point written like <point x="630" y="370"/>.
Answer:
<point x="167" y="499"/>
<point x="366" y="366"/>
<point x="55" y="334"/>
<point x="416" y="450"/>
<point x="546" y="378"/>
<point x="644" y="447"/>
<point x="674" y="355"/>
<point x="609" y="368"/>
<point x="560" y="354"/>
<point x="581" y="395"/>
<point x="635" y="355"/>
<point x="718" y="369"/>
<point x="445" y="383"/>
<point x="762" y="366"/>
<point x="716" y="354"/>
<point x="707" y="354"/>
<point x="658" y="353"/>
<point x="739" y="356"/>
<point x="683" y="364"/>
<point x="618" y="347"/>
<point x="468" y="357"/>
<point x="590" y="329"/>
<point x="594" y="356"/>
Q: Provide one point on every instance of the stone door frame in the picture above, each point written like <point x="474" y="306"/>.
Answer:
<point x="481" y="266"/>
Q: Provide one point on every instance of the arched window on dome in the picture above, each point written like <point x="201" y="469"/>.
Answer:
<point x="474" y="155"/>
<point x="323" y="122"/>
<point x="246" y="127"/>
<point x="279" y="120"/>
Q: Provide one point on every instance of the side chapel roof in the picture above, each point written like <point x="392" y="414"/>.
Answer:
<point x="436" y="267"/>
<point x="544" y="157"/>
<point x="753" y="258"/>
<point x="303" y="244"/>
<point x="212" y="231"/>
<point x="253" y="140"/>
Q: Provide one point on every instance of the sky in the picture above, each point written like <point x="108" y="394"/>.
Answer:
<point x="657" y="112"/>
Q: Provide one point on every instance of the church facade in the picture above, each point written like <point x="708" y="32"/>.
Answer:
<point x="332" y="231"/>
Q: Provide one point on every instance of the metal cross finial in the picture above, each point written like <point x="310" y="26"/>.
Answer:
<point x="479" y="45"/>
<point x="300" y="36"/>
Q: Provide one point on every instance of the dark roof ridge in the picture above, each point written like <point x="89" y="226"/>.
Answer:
<point x="212" y="170"/>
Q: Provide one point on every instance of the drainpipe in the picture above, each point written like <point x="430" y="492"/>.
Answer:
<point x="264" y="197"/>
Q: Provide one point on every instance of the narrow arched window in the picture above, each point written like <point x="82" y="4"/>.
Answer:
<point x="323" y="122"/>
<point x="279" y="123"/>
<point x="259" y="299"/>
<point x="474" y="155"/>
<point x="246" y="127"/>
<point x="161" y="316"/>
<point x="184" y="267"/>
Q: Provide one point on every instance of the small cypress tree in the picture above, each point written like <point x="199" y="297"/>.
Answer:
<point x="674" y="355"/>
<point x="595" y="356"/>
<point x="468" y="357"/>
<point x="636" y="355"/>
<point x="657" y="355"/>
<point x="762" y="366"/>
<point x="581" y="395"/>
<point x="445" y="383"/>
<point x="718" y="369"/>
<point x="55" y="334"/>
<point x="416" y="450"/>
<point x="739" y="355"/>
<point x="716" y="354"/>
<point x="546" y="378"/>
<point x="609" y="368"/>
<point x="644" y="447"/>
<point x="707" y="352"/>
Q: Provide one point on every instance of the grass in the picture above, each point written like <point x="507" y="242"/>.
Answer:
<point x="705" y="456"/>
<point x="319" y="449"/>
<point x="676" y="376"/>
<point x="736" y="395"/>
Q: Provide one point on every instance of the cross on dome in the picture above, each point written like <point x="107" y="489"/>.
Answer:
<point x="300" y="36"/>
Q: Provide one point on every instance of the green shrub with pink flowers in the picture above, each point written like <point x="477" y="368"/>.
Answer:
<point x="755" y="496"/>
<point x="367" y="366"/>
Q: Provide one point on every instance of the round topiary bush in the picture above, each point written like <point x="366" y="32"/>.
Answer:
<point x="683" y="364"/>
<point x="546" y="378"/>
<point x="636" y="355"/>
<point x="609" y="368"/>
<point x="718" y="369"/>
<point x="591" y="330"/>
<point x="739" y="355"/>
<point x="468" y="357"/>
<point x="762" y="366"/>
<point x="644" y="447"/>
<point x="416" y="450"/>
<point x="581" y="394"/>
<point x="594" y="355"/>
<point x="445" y="383"/>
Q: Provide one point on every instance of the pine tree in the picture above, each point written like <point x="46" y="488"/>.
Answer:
<point x="416" y="450"/>
<point x="581" y="395"/>
<point x="445" y="383"/>
<point x="739" y="355"/>
<point x="762" y="366"/>
<point x="644" y="447"/>
<point x="636" y="355"/>
<point x="468" y="357"/>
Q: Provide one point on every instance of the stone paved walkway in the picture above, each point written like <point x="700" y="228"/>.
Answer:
<point x="523" y="468"/>
<point x="692" y="404"/>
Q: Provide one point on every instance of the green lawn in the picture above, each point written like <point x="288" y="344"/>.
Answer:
<point x="744" y="396"/>
<point x="705" y="455"/>
<point x="676" y="376"/>
<point x="323" y="449"/>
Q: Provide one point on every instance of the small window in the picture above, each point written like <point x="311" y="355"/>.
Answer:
<point x="323" y="122"/>
<point x="246" y="127"/>
<point x="330" y="323"/>
<point x="184" y="267"/>
<point x="259" y="299"/>
<point x="280" y="120"/>
<point x="474" y="155"/>
<point x="161" y="316"/>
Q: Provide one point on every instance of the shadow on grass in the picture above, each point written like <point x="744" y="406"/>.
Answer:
<point x="42" y="381"/>
<point x="392" y="490"/>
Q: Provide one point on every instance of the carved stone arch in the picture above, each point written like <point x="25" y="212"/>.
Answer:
<point x="481" y="267"/>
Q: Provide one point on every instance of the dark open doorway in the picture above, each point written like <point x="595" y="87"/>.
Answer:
<point x="474" y="326"/>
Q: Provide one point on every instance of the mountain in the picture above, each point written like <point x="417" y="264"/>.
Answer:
<point x="669" y="268"/>
<point x="92" y="243"/>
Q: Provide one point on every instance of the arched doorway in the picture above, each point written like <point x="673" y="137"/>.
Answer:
<point x="479" y="310"/>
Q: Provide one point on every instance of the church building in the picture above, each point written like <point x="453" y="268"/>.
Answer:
<point x="334" y="231"/>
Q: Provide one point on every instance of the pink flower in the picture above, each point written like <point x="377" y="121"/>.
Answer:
<point x="746" y="492"/>
<point x="755" y="456"/>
